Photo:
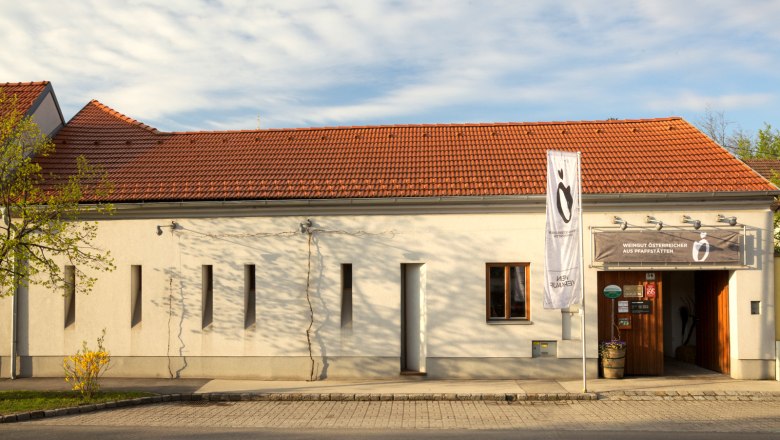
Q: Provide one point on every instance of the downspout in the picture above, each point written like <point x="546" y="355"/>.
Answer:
<point x="12" y="371"/>
<point x="14" y="309"/>
<point x="14" y="303"/>
<point x="15" y="322"/>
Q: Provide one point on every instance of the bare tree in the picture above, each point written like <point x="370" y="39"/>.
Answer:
<point x="715" y="125"/>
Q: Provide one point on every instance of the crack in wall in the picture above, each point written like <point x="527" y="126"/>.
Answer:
<point x="310" y="234"/>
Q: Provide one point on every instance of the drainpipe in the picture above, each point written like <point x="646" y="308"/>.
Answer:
<point x="15" y="324"/>
<point x="7" y="220"/>
<point x="14" y="307"/>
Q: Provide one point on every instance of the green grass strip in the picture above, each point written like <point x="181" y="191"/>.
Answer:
<point x="12" y="402"/>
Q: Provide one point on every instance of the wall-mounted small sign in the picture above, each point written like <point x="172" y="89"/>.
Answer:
<point x="650" y="276"/>
<point x="624" y="322"/>
<point x="622" y="306"/>
<point x="612" y="291"/>
<point x="650" y="290"/>
<point x="633" y="290"/>
<point x="641" y="306"/>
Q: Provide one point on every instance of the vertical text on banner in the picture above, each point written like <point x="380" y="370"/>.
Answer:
<point x="563" y="253"/>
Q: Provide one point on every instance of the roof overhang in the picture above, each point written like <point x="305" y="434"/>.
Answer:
<point x="398" y="205"/>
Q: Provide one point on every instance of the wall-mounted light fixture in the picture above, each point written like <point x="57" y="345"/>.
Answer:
<point x="687" y="219"/>
<point x="732" y="221"/>
<point x="619" y="221"/>
<point x="306" y="226"/>
<point x="652" y="220"/>
<point x="173" y="227"/>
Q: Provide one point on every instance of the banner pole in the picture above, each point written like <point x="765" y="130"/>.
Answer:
<point x="582" y="281"/>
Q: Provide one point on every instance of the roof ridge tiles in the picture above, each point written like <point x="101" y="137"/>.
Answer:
<point x="28" y="83"/>
<point x="117" y="115"/>
<point x="764" y="160"/>
<point x="432" y="125"/>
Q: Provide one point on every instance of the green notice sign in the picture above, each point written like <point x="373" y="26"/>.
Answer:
<point x="612" y="291"/>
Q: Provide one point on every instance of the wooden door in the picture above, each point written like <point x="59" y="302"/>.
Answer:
<point x="645" y="338"/>
<point x="712" y="320"/>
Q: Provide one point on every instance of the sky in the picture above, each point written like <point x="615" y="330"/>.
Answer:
<point x="181" y="65"/>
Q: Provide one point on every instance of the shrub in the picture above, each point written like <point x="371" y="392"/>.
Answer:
<point x="83" y="369"/>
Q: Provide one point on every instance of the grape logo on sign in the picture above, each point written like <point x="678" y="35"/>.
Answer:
<point x="564" y="211"/>
<point x="701" y="248"/>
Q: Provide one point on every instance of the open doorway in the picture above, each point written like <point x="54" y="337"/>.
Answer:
<point x="696" y="317"/>
<point x="685" y="319"/>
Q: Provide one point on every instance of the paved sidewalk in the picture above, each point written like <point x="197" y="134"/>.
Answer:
<point x="684" y="379"/>
<point x="692" y="386"/>
<point x="673" y="416"/>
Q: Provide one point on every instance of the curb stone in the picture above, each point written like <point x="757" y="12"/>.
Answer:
<point x="397" y="397"/>
<point x="689" y="395"/>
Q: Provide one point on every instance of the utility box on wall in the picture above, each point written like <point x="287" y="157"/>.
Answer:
<point x="544" y="349"/>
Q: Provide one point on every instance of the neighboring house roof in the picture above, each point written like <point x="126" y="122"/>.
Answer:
<point x="37" y="100"/>
<point x="765" y="167"/>
<point x="666" y="155"/>
<point x="27" y="94"/>
<point x="769" y="168"/>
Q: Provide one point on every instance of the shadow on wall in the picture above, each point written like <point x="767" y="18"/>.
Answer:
<point x="288" y="266"/>
<point x="177" y="312"/>
<point x="286" y="263"/>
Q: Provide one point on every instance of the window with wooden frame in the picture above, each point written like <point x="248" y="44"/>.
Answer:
<point x="507" y="291"/>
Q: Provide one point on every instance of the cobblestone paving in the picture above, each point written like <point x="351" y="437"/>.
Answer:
<point x="640" y="415"/>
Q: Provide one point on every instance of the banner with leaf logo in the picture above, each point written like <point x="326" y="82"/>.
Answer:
<point x="563" y="253"/>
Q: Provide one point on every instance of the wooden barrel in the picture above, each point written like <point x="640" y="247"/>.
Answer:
<point x="613" y="362"/>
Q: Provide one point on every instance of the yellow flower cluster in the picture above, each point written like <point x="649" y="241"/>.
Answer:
<point x="83" y="369"/>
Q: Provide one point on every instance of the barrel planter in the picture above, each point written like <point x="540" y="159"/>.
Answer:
<point x="613" y="361"/>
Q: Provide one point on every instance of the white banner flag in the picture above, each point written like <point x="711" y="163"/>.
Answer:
<point x="562" y="247"/>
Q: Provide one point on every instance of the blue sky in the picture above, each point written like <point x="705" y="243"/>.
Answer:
<point x="213" y="65"/>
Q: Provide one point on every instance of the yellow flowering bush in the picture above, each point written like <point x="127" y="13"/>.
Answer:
<point x="83" y="369"/>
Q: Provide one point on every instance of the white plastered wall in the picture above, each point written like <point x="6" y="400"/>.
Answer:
<point x="454" y="248"/>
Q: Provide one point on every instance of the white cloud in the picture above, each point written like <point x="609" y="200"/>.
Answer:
<point x="690" y="101"/>
<point x="175" y="63"/>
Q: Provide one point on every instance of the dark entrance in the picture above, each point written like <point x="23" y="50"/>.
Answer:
<point x="653" y="326"/>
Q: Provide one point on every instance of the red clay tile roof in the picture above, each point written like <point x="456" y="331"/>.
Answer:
<point x="765" y="167"/>
<point x="26" y="93"/>
<point x="619" y="156"/>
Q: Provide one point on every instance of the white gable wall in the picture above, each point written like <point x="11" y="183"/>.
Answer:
<point x="47" y="115"/>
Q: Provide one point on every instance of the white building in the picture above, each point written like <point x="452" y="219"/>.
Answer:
<point x="374" y="251"/>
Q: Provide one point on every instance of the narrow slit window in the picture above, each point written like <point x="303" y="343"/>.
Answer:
<point x="70" y="295"/>
<point x="250" y="298"/>
<point x="346" y="296"/>
<point x="136" y="295"/>
<point x="207" y="304"/>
